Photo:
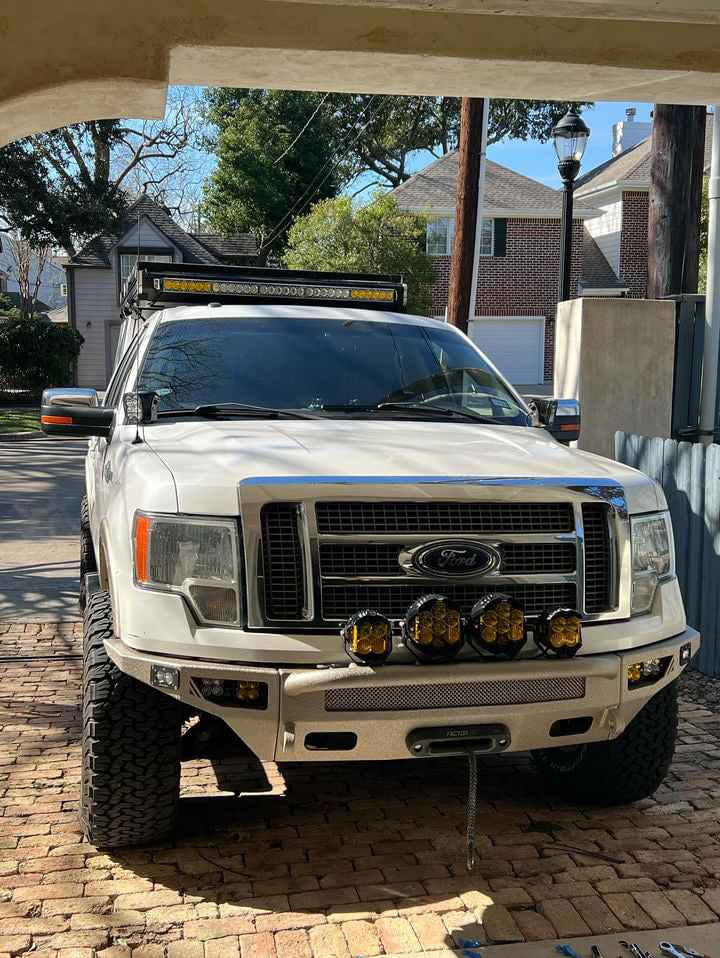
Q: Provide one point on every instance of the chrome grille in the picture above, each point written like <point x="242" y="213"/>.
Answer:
<point x="598" y="560"/>
<point x="407" y="698"/>
<point x="282" y="562"/>
<point x="363" y="559"/>
<point x="392" y="599"/>
<point x="339" y="518"/>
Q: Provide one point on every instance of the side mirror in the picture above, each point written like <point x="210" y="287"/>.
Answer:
<point x="70" y="397"/>
<point x="74" y="412"/>
<point x="560" y="417"/>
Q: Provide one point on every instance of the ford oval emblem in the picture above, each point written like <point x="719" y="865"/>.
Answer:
<point x="455" y="559"/>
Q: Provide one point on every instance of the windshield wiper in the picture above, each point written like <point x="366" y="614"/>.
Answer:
<point x="220" y="409"/>
<point x="426" y="409"/>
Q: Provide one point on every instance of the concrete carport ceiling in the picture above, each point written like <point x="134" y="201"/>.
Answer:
<point x="89" y="59"/>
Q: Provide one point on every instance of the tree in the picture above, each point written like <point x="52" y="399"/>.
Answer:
<point x="704" y="223"/>
<point x="36" y="354"/>
<point x="27" y="268"/>
<point x="275" y="149"/>
<point x="395" y="127"/>
<point x="376" y="238"/>
<point x="64" y="186"/>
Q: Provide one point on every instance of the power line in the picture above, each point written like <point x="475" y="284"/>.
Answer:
<point x="317" y="110"/>
<point x="315" y="186"/>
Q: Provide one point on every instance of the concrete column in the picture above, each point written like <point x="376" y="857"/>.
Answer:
<point x="709" y="395"/>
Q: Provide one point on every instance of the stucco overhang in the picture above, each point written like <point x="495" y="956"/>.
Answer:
<point x="67" y="62"/>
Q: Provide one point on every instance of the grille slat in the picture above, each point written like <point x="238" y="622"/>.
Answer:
<point x="598" y="565"/>
<point x="360" y="559"/>
<point x="393" y="599"/>
<point x="282" y="562"/>
<point x="406" y="698"/>
<point x="339" y="518"/>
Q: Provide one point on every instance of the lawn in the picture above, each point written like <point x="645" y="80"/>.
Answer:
<point x="19" y="418"/>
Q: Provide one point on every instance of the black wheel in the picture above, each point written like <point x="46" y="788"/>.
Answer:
<point x="87" y="552"/>
<point x="624" y="770"/>
<point x="130" y="746"/>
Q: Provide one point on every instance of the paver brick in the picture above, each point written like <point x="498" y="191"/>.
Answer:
<point x="430" y="931"/>
<point x="328" y="941"/>
<point x="692" y="907"/>
<point x="228" y="947"/>
<point x="596" y="915"/>
<point x="631" y="915"/>
<point x="534" y="927"/>
<point x="564" y="918"/>
<point x="261" y="945"/>
<point x="293" y="944"/>
<point x="397" y="935"/>
<point x="660" y="908"/>
<point x="362" y="938"/>
<point x="14" y="944"/>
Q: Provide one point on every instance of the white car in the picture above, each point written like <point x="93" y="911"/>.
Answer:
<point x="340" y="531"/>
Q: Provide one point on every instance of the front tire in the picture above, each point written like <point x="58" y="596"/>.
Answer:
<point x="130" y="746"/>
<point x="88" y="562"/>
<point x="623" y="770"/>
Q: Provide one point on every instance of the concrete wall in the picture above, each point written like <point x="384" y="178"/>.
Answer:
<point x="63" y="63"/>
<point x="616" y="356"/>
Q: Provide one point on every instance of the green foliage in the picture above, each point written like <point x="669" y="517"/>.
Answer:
<point x="376" y="238"/>
<point x="56" y="188"/>
<point x="260" y="175"/>
<point x="35" y="355"/>
<point x="704" y="216"/>
<point x="395" y="127"/>
<point x="7" y="310"/>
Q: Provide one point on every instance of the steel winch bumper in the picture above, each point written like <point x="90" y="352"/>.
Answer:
<point x="401" y="711"/>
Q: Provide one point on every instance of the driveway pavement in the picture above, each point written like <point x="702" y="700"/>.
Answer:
<point x="41" y="485"/>
<point x="322" y="861"/>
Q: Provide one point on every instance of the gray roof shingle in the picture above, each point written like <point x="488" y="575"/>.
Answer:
<point x="96" y="252"/>
<point x="632" y="166"/>
<point x="435" y="188"/>
<point x="234" y="246"/>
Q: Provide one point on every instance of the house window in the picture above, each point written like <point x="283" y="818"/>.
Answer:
<point x="441" y="234"/>
<point x="128" y="260"/>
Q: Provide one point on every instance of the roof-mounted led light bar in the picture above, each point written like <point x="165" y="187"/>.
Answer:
<point x="153" y="285"/>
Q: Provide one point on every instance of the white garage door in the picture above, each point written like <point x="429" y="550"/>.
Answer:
<point x="515" y="344"/>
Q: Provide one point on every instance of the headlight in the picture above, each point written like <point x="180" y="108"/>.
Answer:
<point x="653" y="557"/>
<point x="196" y="557"/>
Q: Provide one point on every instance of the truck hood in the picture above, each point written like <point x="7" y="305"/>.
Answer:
<point x="208" y="459"/>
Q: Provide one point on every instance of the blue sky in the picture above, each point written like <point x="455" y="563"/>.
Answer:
<point x="538" y="160"/>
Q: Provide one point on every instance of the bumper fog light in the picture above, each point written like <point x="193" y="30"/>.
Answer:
<point x="685" y="653"/>
<point x="367" y="637"/>
<point x="560" y="631"/>
<point x="234" y="694"/>
<point x="165" y="677"/>
<point x="433" y="629"/>
<point x="497" y="625"/>
<point x="646" y="672"/>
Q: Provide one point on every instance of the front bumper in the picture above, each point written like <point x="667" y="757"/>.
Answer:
<point x="358" y="713"/>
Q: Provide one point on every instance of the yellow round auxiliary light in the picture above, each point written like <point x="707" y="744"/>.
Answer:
<point x="497" y="626"/>
<point x="560" y="631"/>
<point x="367" y="637"/>
<point x="433" y="629"/>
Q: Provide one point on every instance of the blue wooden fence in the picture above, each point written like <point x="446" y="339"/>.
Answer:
<point x="690" y="476"/>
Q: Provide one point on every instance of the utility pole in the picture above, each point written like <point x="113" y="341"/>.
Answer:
<point x="709" y="419"/>
<point x="466" y="212"/>
<point x="678" y="142"/>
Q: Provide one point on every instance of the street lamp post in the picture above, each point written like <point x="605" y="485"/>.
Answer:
<point x="570" y="135"/>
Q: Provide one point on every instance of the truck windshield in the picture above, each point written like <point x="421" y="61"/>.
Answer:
<point x="336" y="367"/>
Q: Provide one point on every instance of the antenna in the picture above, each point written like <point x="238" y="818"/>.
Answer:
<point x="138" y="407"/>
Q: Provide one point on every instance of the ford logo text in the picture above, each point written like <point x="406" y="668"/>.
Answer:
<point x="455" y="559"/>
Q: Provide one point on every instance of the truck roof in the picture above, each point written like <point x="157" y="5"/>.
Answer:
<point x="319" y="311"/>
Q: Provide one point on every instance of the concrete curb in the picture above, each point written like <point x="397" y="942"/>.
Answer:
<point x="21" y="436"/>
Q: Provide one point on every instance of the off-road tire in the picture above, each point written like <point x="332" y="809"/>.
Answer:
<point x="88" y="562"/>
<point x="623" y="770"/>
<point x="130" y="746"/>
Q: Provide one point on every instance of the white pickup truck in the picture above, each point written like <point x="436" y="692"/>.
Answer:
<point x="338" y="529"/>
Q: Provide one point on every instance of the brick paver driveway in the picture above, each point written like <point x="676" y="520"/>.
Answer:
<point x="330" y="862"/>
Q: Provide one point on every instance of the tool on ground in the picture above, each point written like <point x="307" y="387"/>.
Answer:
<point x="567" y="951"/>
<point x="585" y="851"/>
<point x="680" y="951"/>
<point x="467" y="943"/>
<point x="595" y="951"/>
<point x="635" y="950"/>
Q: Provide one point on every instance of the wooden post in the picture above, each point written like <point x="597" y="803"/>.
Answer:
<point x="461" y="271"/>
<point x="678" y="143"/>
